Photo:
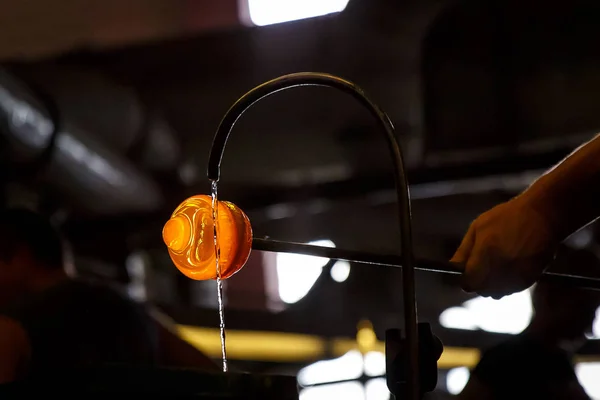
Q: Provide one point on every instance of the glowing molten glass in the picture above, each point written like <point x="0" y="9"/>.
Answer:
<point x="189" y="237"/>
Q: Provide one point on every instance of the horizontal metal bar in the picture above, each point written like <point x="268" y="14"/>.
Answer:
<point x="350" y="255"/>
<point x="362" y="379"/>
<point x="392" y="260"/>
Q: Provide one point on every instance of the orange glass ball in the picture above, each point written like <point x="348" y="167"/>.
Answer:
<point x="189" y="236"/>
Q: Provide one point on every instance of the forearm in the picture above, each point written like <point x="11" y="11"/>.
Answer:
<point x="569" y="194"/>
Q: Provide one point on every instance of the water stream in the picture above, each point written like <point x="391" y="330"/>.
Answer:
<point x="215" y="211"/>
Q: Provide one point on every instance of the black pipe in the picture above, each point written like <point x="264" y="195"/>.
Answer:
<point x="402" y="191"/>
<point x="27" y="127"/>
<point x="392" y="260"/>
<point x="71" y="160"/>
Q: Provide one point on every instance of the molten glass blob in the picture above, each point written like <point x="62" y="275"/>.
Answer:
<point x="189" y="235"/>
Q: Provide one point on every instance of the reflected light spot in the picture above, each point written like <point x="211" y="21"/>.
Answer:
<point x="297" y="273"/>
<point x="587" y="374"/>
<point x="457" y="318"/>
<point x="595" y="327"/>
<point x="457" y="379"/>
<point x="366" y="337"/>
<point x="347" y="367"/>
<point x="374" y="363"/>
<point x="340" y="271"/>
<point x="509" y="315"/>
<point x="346" y="391"/>
<point x="376" y="389"/>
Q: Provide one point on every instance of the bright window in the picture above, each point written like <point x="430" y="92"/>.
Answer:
<point x="297" y="273"/>
<point x="348" y="368"/>
<point x="509" y="315"/>
<point x="268" y="12"/>
<point x="457" y="379"/>
<point x="588" y="374"/>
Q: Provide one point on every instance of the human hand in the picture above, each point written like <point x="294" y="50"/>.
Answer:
<point x="506" y="249"/>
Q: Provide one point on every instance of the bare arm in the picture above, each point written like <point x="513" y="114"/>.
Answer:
<point x="507" y="248"/>
<point x="14" y="350"/>
<point x="569" y="194"/>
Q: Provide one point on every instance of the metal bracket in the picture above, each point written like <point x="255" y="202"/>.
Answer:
<point x="430" y="351"/>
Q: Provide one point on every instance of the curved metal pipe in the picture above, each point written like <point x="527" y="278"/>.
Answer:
<point x="402" y="191"/>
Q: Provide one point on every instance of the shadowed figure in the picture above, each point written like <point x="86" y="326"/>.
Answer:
<point x="537" y="364"/>
<point x="49" y="320"/>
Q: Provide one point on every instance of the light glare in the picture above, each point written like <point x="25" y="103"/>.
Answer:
<point x="297" y="273"/>
<point x="269" y="12"/>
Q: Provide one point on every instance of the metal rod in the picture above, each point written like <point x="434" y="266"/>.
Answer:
<point x="402" y="192"/>
<point x="357" y="256"/>
<point x="392" y="260"/>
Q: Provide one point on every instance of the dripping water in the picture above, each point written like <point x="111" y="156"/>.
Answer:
<point x="219" y="280"/>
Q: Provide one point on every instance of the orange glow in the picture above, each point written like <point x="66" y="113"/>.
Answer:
<point x="189" y="238"/>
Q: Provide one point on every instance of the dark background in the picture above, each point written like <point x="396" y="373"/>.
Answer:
<point x="484" y="95"/>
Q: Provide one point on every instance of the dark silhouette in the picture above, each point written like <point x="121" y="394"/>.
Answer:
<point x="537" y="364"/>
<point x="51" y="320"/>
